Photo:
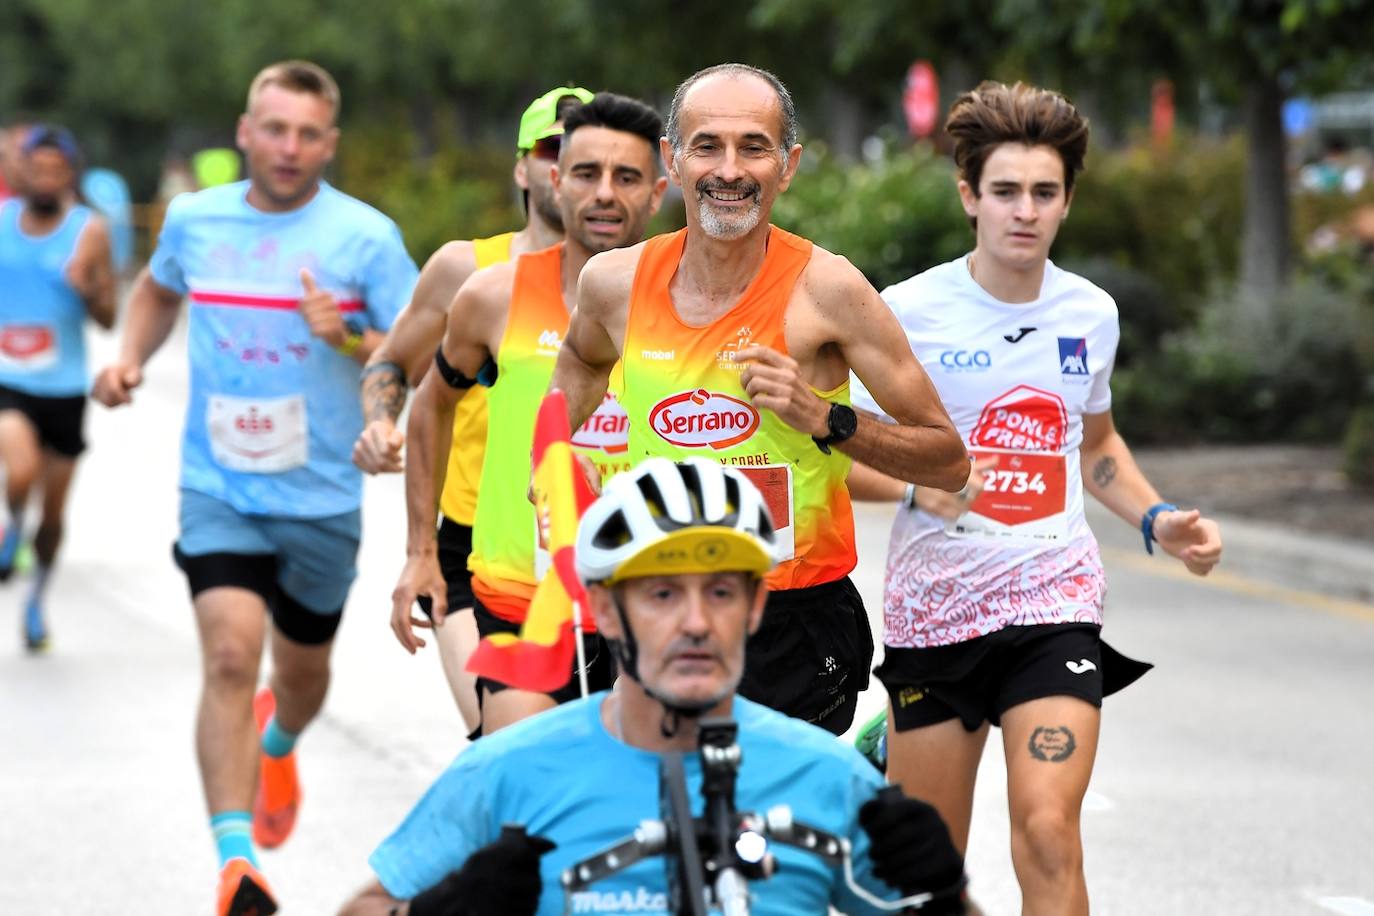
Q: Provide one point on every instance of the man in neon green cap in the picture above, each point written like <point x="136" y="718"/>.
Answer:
<point x="406" y="354"/>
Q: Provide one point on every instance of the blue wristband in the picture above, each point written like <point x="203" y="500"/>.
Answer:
<point x="1147" y="523"/>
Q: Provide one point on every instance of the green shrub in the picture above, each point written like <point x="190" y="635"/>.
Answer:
<point x="456" y="193"/>
<point x="1294" y="373"/>
<point x="892" y="218"/>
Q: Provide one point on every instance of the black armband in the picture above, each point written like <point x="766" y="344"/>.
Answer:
<point x="451" y="376"/>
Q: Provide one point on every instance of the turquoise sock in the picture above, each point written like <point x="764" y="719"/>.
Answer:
<point x="9" y="544"/>
<point x="277" y="741"/>
<point x="38" y="583"/>
<point x="234" y="836"/>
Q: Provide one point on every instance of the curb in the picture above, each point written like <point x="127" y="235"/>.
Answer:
<point x="1285" y="557"/>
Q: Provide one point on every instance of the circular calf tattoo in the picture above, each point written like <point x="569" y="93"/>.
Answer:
<point x="1052" y="744"/>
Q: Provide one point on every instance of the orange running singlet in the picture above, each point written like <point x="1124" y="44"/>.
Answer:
<point x="683" y="394"/>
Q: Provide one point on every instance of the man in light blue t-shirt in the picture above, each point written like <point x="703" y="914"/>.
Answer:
<point x="674" y="555"/>
<point x="292" y="285"/>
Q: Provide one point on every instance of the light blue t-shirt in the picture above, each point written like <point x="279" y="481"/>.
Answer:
<point x="42" y="319"/>
<point x="562" y="776"/>
<point x="273" y="410"/>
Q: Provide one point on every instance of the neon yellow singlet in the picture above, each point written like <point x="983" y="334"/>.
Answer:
<point x="682" y="392"/>
<point x="459" y="499"/>
<point x="505" y="560"/>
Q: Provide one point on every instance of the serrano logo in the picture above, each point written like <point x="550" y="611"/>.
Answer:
<point x="1025" y="419"/>
<point x="608" y="429"/>
<point x="700" y="418"/>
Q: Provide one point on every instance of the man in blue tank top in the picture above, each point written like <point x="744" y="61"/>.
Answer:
<point x="292" y="284"/>
<point x="54" y="274"/>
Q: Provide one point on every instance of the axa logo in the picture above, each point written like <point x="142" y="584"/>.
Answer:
<point x="966" y="360"/>
<point x="1073" y="356"/>
<point x="549" y="339"/>
<point x="703" y="419"/>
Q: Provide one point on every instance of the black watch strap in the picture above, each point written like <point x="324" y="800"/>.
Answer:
<point x="843" y="423"/>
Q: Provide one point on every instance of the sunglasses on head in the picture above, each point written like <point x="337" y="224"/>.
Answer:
<point x="547" y="147"/>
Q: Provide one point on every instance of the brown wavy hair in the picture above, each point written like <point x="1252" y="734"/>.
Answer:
<point x="994" y="113"/>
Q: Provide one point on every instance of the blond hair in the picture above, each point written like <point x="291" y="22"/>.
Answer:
<point x="297" y="76"/>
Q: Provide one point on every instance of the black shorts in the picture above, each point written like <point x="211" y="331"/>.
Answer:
<point x="257" y="572"/>
<point x="455" y="544"/>
<point x="601" y="669"/>
<point x="58" y="420"/>
<point x="811" y="655"/>
<point x="978" y="680"/>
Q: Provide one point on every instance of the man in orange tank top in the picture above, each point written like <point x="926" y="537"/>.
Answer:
<point x="607" y="185"/>
<point x="405" y="355"/>
<point x="731" y="146"/>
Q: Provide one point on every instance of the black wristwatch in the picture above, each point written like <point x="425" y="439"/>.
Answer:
<point x="843" y="422"/>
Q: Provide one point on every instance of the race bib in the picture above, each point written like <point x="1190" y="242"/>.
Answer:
<point x="1024" y="499"/>
<point x="775" y="483"/>
<point x="28" y="347"/>
<point x="258" y="435"/>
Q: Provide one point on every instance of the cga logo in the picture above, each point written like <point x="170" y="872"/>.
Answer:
<point x="701" y="418"/>
<point x="966" y="360"/>
<point x="1073" y="356"/>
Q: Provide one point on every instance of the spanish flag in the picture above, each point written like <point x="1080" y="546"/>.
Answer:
<point x="540" y="658"/>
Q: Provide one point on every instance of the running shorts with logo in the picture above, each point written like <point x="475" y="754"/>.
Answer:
<point x="682" y="391"/>
<point x="978" y="680"/>
<point x="42" y="328"/>
<point x="507" y="559"/>
<point x="1017" y="380"/>
<point x="273" y="411"/>
<point x="562" y="775"/>
<point x="458" y="501"/>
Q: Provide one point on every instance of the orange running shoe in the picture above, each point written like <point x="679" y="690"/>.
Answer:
<point x="243" y="891"/>
<point x="279" y="790"/>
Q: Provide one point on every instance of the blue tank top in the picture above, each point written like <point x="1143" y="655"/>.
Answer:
<point x="42" y="338"/>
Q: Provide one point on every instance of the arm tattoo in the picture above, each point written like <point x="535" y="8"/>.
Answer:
<point x="384" y="391"/>
<point x="1104" y="472"/>
<point x="1052" y="744"/>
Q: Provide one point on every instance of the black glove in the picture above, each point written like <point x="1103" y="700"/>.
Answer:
<point x="500" y="879"/>
<point x="910" y="848"/>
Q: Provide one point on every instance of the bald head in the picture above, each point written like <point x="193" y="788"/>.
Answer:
<point x="703" y="87"/>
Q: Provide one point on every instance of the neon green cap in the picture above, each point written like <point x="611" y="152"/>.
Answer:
<point x="540" y="120"/>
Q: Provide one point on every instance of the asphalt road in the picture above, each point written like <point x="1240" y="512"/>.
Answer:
<point x="1235" y="778"/>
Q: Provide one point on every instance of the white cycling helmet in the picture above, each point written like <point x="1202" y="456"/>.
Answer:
<point x="661" y="518"/>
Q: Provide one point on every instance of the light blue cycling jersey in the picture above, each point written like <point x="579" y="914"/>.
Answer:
<point x="42" y="319"/>
<point x="273" y="410"/>
<point x="562" y="776"/>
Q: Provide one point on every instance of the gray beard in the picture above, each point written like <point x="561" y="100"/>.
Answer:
<point x="727" y="230"/>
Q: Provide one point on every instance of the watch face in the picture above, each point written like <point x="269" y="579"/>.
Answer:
<point x="843" y="422"/>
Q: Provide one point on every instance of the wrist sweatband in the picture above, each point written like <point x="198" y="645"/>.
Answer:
<point x="351" y="343"/>
<point x="1147" y="523"/>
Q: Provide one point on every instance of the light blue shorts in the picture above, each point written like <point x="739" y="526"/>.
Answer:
<point x="316" y="558"/>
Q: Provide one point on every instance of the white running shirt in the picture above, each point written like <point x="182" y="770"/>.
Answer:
<point x="1016" y="379"/>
